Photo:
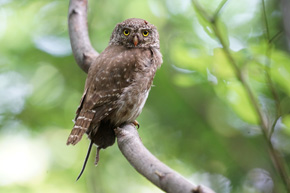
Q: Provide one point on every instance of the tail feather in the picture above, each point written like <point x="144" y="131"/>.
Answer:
<point x="83" y="122"/>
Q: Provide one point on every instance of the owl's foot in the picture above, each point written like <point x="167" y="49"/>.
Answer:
<point x="136" y="124"/>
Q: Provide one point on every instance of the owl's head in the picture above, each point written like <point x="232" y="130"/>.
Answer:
<point x="135" y="33"/>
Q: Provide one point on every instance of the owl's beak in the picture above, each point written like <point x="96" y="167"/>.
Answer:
<point x="135" y="40"/>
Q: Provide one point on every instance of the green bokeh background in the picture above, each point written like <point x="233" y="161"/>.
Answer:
<point x="198" y="118"/>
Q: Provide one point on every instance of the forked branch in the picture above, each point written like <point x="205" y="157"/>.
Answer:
<point x="128" y="139"/>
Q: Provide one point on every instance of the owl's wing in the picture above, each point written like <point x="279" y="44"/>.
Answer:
<point x="81" y="103"/>
<point x="107" y="79"/>
<point x="110" y="76"/>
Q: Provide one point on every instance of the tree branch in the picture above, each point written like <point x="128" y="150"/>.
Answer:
<point x="149" y="166"/>
<point x="83" y="51"/>
<point x="128" y="139"/>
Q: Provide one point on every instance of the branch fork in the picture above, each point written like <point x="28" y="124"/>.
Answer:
<point x="128" y="138"/>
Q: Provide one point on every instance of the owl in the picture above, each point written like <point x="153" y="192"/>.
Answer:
<point x="118" y="83"/>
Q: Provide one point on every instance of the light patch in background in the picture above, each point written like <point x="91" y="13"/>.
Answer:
<point x="209" y="43"/>
<point x="51" y="37"/>
<point x="53" y="45"/>
<point x="279" y="138"/>
<point x="23" y="159"/>
<point x="157" y="8"/>
<point x="178" y="7"/>
<point x="258" y="180"/>
<point x="243" y="127"/>
<point x="48" y="86"/>
<point x="247" y="11"/>
<point x="241" y="19"/>
<point x="3" y="18"/>
<point x="182" y="70"/>
<point x="216" y="182"/>
<point x="3" y="2"/>
<point x="211" y="78"/>
<point x="46" y="9"/>
<point x="13" y="92"/>
<point x="147" y="189"/>
<point x="235" y="44"/>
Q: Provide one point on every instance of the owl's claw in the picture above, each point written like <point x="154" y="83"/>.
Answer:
<point x="136" y="124"/>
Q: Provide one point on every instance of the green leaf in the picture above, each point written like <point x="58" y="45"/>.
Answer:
<point x="48" y="86"/>
<point x="221" y="66"/>
<point x="238" y="99"/>
<point x="280" y="70"/>
<point x="223" y="31"/>
<point x="188" y="58"/>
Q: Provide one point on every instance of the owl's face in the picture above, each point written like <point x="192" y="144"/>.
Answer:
<point x="135" y="33"/>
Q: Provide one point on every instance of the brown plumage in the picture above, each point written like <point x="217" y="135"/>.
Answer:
<point x="118" y="82"/>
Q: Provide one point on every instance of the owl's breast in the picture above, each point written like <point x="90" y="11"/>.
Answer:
<point x="134" y="95"/>
<point x="130" y="74"/>
<point x="129" y="108"/>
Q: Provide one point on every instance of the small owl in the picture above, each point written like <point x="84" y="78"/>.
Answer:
<point x="118" y="83"/>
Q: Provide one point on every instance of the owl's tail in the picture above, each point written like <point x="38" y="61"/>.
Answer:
<point x="83" y="122"/>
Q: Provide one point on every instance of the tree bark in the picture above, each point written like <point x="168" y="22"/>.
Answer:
<point x="83" y="51"/>
<point x="128" y="139"/>
<point x="150" y="167"/>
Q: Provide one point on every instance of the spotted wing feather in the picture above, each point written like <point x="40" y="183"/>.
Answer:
<point x="103" y="89"/>
<point x="83" y="122"/>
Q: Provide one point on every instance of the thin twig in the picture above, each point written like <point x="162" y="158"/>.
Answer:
<point x="268" y="69"/>
<point x="203" y="13"/>
<point x="277" y="35"/>
<point x="280" y="163"/>
<point x="272" y="90"/>
<point x="220" y="7"/>
<point x="265" y="20"/>
<point x="273" y="127"/>
<point x="277" y="160"/>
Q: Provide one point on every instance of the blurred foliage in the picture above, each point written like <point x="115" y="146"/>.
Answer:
<point x="198" y="119"/>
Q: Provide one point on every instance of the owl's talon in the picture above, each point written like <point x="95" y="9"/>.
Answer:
<point x="136" y="124"/>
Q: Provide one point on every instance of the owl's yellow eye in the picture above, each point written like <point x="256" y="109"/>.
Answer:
<point x="145" y="33"/>
<point x="126" y="32"/>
